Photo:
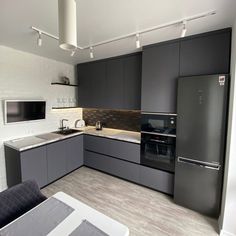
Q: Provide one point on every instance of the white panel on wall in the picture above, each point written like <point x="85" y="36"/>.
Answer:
<point x="26" y="76"/>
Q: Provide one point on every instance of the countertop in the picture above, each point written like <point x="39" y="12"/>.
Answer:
<point x="25" y="143"/>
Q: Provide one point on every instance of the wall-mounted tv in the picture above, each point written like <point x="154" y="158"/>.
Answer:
<point x="24" y="110"/>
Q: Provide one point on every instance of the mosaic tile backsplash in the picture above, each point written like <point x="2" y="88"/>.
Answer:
<point x="116" y="119"/>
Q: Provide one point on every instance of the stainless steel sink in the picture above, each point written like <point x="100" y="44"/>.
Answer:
<point x="67" y="131"/>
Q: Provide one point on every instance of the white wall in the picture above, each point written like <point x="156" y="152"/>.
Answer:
<point x="26" y="76"/>
<point x="228" y="216"/>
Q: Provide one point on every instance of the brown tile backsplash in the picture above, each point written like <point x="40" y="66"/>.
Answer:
<point x="116" y="119"/>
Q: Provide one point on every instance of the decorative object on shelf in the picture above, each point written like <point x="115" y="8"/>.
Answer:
<point x="67" y="29"/>
<point x="65" y="103"/>
<point x="65" y="80"/>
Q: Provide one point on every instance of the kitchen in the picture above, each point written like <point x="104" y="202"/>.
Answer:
<point x="155" y="133"/>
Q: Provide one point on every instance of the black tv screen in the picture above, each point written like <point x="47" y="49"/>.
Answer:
<point x="18" y="111"/>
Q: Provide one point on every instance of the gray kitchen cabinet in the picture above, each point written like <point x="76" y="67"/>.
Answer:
<point x="30" y="164"/>
<point x="97" y="161"/>
<point x="45" y="163"/>
<point x="34" y="165"/>
<point x="115" y="84"/>
<point x="157" y="179"/>
<point x="132" y="81"/>
<point x="110" y="165"/>
<point x="206" y="53"/>
<point x="160" y="70"/>
<point x="124" y="169"/>
<point x="56" y="159"/>
<point x="112" y="83"/>
<point x="115" y="148"/>
<point x="92" y="84"/>
<point x="74" y="153"/>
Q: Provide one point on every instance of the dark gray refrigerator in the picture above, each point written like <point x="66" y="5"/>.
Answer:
<point x="200" y="142"/>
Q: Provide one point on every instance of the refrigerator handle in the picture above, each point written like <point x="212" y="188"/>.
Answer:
<point x="206" y="165"/>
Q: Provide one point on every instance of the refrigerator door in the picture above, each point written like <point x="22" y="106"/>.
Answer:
<point x="198" y="186"/>
<point x="201" y="109"/>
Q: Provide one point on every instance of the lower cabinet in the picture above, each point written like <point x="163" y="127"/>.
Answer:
<point x="120" y="149"/>
<point x="74" y="153"/>
<point x="56" y="157"/>
<point x="44" y="164"/>
<point x="157" y="179"/>
<point x="34" y="165"/>
<point x="48" y="163"/>
<point x="122" y="159"/>
<point x="117" y="167"/>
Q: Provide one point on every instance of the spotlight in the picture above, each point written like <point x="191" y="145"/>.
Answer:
<point x="91" y="52"/>
<point x="138" y="45"/>
<point x="184" y="29"/>
<point x="40" y="41"/>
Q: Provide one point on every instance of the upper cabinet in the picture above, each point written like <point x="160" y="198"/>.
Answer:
<point x="112" y="83"/>
<point x="206" y="54"/>
<point x="91" y="84"/>
<point x="117" y="83"/>
<point x="132" y="81"/>
<point x="159" y="77"/>
<point x="163" y="63"/>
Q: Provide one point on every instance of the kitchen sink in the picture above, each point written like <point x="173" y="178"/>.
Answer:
<point x="67" y="131"/>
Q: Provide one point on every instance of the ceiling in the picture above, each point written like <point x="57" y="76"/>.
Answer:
<point x="99" y="20"/>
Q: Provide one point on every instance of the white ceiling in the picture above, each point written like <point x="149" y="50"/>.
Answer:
<point x="99" y="20"/>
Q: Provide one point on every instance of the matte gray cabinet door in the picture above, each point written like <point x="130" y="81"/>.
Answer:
<point x="115" y="148"/>
<point x="74" y="153"/>
<point x="160" y="70"/>
<point x="112" y="166"/>
<point x="84" y="85"/>
<point x="132" y="82"/>
<point x="157" y="179"/>
<point x="56" y="157"/>
<point x="34" y="165"/>
<point x="92" y="84"/>
<point x="97" y="161"/>
<point x="206" y="54"/>
<point x="124" y="169"/>
<point x="115" y="84"/>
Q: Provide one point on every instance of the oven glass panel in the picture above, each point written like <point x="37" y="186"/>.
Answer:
<point x="158" y="152"/>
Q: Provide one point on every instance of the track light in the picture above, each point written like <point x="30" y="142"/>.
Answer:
<point x="91" y="52"/>
<point x="184" y="29"/>
<point x="72" y="53"/>
<point x="40" y="39"/>
<point x="138" y="45"/>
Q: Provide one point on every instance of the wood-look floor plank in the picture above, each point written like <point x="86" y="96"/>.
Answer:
<point x="146" y="212"/>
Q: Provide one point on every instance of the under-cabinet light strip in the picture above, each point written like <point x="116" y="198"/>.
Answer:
<point x="133" y="34"/>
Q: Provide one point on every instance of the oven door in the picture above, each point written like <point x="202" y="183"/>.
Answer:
<point x="158" y="151"/>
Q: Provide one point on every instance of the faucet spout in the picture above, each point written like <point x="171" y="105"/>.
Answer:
<point x="62" y="124"/>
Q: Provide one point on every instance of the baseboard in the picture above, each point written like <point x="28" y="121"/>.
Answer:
<point x="225" y="233"/>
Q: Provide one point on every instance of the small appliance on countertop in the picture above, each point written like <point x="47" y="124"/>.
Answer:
<point x="79" y="123"/>
<point x="98" y="125"/>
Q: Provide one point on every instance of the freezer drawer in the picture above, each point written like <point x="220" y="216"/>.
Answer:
<point x="198" y="186"/>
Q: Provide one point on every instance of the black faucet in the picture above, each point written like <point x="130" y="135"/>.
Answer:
<point x="62" y="124"/>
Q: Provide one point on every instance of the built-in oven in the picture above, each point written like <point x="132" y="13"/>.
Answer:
<point x="158" y="138"/>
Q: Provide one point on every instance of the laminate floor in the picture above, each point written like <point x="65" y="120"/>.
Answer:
<point x="146" y="212"/>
